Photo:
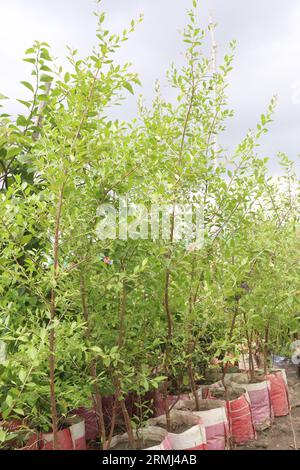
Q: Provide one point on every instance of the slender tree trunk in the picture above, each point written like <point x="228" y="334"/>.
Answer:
<point x="121" y="342"/>
<point x="126" y="416"/>
<point x="225" y="367"/>
<point x="122" y="315"/>
<point x="167" y="305"/>
<point x="52" y="339"/>
<point x="169" y="324"/>
<point x="193" y="385"/>
<point x="52" y="350"/>
<point x="266" y="349"/>
<point x="168" y="345"/>
<point x="99" y="405"/>
<point x="169" y="256"/>
<point x="249" y="343"/>
<point x="93" y="366"/>
<point x="191" y="343"/>
<point x="128" y="424"/>
<point x="113" y="421"/>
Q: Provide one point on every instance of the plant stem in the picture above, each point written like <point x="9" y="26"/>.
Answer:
<point x="191" y="343"/>
<point x="122" y="315"/>
<point x="93" y="366"/>
<point x="225" y="367"/>
<point x="266" y="348"/>
<point x="52" y="339"/>
<point x="99" y="405"/>
<point x="121" y="342"/>
<point x="126" y="416"/>
<point x="113" y="421"/>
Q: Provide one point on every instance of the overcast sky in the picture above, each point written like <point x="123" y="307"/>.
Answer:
<point x="267" y="58"/>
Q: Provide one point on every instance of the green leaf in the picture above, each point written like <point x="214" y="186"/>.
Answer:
<point x="67" y="77"/>
<point x="45" y="68"/>
<point x="46" y="78"/>
<point x="22" y="375"/>
<point x="146" y="384"/>
<point x="45" y="55"/>
<point x="9" y="401"/>
<point x="13" y="152"/>
<point x="128" y="87"/>
<point x="28" y="85"/>
<point x="3" y="154"/>
<point x="43" y="97"/>
<point x="31" y="61"/>
<point x="25" y="103"/>
<point x="22" y="121"/>
<point x="106" y="361"/>
<point x="96" y="349"/>
<point x="26" y="239"/>
<point x="5" y="412"/>
<point x="3" y="435"/>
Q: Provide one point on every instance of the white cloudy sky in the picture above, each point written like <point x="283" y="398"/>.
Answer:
<point x="267" y="59"/>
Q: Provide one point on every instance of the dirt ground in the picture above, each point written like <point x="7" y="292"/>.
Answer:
<point x="280" y="436"/>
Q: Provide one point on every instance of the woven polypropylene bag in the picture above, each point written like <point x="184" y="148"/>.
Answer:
<point x="193" y="438"/>
<point x="149" y="433"/>
<point x="279" y="394"/>
<point x="214" y="417"/>
<point x="239" y="414"/>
